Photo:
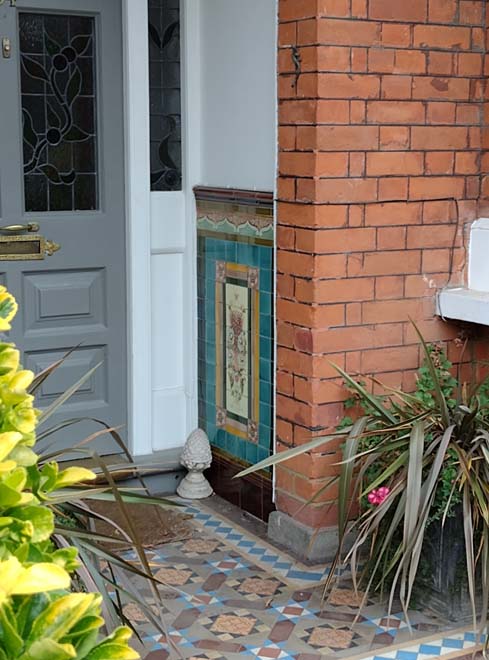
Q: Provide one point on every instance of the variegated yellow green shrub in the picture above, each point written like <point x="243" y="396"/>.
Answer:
<point x="40" y="619"/>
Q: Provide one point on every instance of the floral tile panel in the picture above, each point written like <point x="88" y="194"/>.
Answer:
<point x="235" y="321"/>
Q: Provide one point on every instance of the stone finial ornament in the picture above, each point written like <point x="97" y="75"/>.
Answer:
<point x="196" y="457"/>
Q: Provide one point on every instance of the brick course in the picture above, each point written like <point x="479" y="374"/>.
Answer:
<point x="381" y="165"/>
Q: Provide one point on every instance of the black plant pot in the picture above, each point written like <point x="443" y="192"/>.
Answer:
<point x="443" y="570"/>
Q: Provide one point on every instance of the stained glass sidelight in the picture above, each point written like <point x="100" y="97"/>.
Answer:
<point x="58" y="89"/>
<point x="164" y="94"/>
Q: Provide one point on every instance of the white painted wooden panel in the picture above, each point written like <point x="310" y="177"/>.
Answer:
<point x="167" y="320"/>
<point x="169" y="411"/>
<point x="167" y="222"/>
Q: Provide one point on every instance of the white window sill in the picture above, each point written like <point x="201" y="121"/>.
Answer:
<point x="464" y="305"/>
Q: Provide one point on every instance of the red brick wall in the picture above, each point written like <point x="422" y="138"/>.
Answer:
<point x="383" y="129"/>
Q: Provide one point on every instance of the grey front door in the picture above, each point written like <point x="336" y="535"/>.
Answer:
<point x="62" y="168"/>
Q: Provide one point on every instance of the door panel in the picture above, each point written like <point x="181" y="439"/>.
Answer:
<point x="62" y="167"/>
<point x="77" y="301"/>
<point x="93" y="393"/>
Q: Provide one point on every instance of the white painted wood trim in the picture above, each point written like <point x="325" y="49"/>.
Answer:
<point x="478" y="249"/>
<point x="173" y="264"/>
<point x="138" y="224"/>
<point x="192" y="134"/>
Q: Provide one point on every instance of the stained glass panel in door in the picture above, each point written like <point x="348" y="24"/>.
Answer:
<point x="59" y="112"/>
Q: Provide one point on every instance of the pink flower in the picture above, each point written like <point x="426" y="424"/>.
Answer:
<point x="378" y="495"/>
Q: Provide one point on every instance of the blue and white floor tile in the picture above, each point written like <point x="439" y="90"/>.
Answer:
<point x="230" y="595"/>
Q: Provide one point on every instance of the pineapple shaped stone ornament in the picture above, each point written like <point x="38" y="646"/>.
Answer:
<point x="196" y="457"/>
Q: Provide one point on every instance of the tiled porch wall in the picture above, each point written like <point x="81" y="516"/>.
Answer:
<point x="235" y="316"/>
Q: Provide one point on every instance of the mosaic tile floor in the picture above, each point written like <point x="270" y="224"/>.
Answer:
<point x="235" y="596"/>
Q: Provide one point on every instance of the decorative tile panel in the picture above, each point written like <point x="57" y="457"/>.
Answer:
<point x="235" y="313"/>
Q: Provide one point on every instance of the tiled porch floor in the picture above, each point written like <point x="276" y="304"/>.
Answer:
<point x="238" y="597"/>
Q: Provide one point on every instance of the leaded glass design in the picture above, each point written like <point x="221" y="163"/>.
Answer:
<point x="164" y="94"/>
<point x="58" y="89"/>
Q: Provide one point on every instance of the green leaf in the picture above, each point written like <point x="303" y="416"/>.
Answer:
<point x="412" y="509"/>
<point x="439" y="396"/>
<point x="39" y="578"/>
<point x="372" y="400"/>
<point x="23" y="455"/>
<point x="469" y="549"/>
<point x="29" y="609"/>
<point x="8" y="442"/>
<point x="48" y="649"/>
<point x="8" y="496"/>
<point x="73" y="475"/>
<point x="11" y="640"/>
<point x="414" y="476"/>
<point x="131" y="498"/>
<point x="42" y="520"/>
<point x="114" y="647"/>
<point x="345" y="484"/>
<point x="16" y="479"/>
<point x="291" y="453"/>
<point x="67" y="394"/>
<point x="57" y="620"/>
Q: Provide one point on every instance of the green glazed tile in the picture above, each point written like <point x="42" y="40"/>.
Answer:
<point x="251" y="453"/>
<point x="230" y="252"/>
<point x="264" y="435"/>
<point x="265" y="325"/>
<point x="265" y="370"/>
<point x="243" y="253"/>
<point x="265" y="281"/>
<point x="220" y="439"/>
<point x="266" y="256"/>
<point x="265" y="303"/>
<point x="265" y="414"/>
<point x="266" y="348"/>
<point x="263" y="453"/>
<point x="265" y="392"/>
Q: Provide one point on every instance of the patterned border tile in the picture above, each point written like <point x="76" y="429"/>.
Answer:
<point x="452" y="644"/>
<point x="257" y="550"/>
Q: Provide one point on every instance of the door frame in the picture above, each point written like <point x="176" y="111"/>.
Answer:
<point x="138" y="227"/>
<point x="140" y="248"/>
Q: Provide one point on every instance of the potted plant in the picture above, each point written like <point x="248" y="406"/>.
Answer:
<point x="414" y="475"/>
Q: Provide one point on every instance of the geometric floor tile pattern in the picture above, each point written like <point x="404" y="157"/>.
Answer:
<point x="232" y="596"/>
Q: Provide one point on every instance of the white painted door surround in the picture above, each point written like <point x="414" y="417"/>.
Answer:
<point x="161" y="250"/>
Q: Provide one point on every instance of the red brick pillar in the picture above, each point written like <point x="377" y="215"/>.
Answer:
<point x="378" y="138"/>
